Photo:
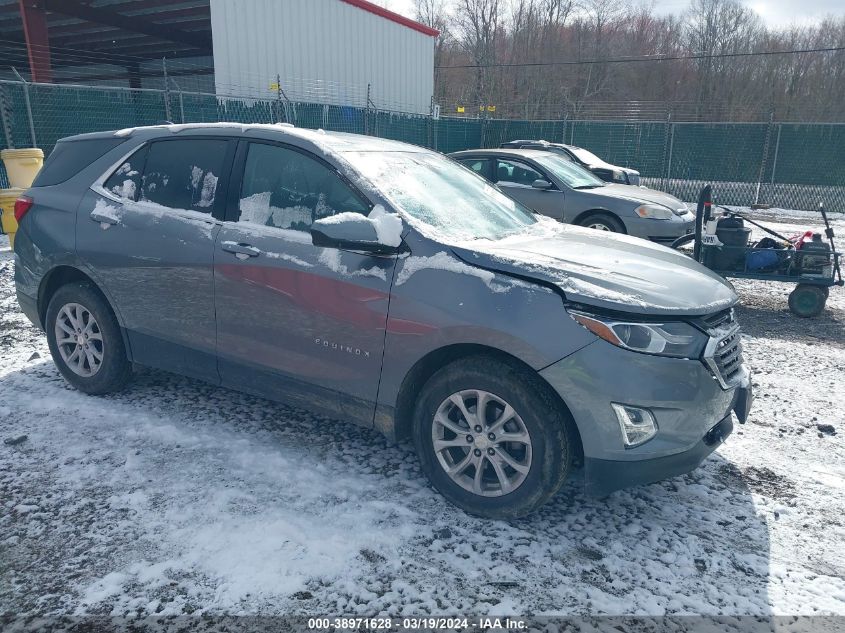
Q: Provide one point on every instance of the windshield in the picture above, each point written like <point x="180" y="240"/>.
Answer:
<point x="585" y="155"/>
<point x="569" y="173"/>
<point x="440" y="193"/>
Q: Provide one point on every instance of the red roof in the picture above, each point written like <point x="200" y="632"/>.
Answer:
<point x="393" y="17"/>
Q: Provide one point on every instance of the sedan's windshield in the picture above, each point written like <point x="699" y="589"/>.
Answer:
<point x="569" y="173"/>
<point x="440" y="193"/>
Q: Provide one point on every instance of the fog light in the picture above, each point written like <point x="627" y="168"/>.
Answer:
<point x="638" y="425"/>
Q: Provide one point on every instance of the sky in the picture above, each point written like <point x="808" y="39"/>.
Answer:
<point x="775" y="13"/>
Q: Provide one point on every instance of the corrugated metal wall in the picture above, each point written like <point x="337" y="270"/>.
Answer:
<point x="325" y="51"/>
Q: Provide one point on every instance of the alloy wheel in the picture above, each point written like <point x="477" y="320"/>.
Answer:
<point x="481" y="443"/>
<point x="79" y="339"/>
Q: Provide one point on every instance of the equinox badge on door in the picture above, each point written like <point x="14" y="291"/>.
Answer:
<point x="355" y="351"/>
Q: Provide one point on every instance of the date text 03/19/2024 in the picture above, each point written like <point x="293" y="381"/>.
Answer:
<point x="428" y="623"/>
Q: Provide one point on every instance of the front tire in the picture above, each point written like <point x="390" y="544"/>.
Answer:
<point x="501" y="460"/>
<point x="602" y="222"/>
<point x="85" y="340"/>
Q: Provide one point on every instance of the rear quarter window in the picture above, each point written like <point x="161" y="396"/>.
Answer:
<point x="69" y="158"/>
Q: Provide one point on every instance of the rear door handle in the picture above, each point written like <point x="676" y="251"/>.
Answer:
<point x="240" y="249"/>
<point x="103" y="218"/>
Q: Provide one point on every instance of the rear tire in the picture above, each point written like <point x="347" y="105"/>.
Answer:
<point x="807" y="300"/>
<point x="602" y="222"/>
<point x="85" y="340"/>
<point x="517" y="476"/>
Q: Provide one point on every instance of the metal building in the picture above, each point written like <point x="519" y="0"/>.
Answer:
<point x="324" y="51"/>
<point x="340" y="52"/>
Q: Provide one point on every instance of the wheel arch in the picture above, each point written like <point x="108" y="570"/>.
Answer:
<point x="436" y="359"/>
<point x="61" y="276"/>
<point x="598" y="211"/>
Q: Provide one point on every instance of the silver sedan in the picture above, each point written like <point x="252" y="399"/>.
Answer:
<point x="562" y="190"/>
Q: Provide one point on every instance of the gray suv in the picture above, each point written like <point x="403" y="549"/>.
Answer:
<point x="565" y="191"/>
<point x="385" y="284"/>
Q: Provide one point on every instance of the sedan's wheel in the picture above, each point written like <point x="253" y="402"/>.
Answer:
<point x="85" y="340"/>
<point x="492" y="437"/>
<point x="481" y="443"/>
<point x="602" y="222"/>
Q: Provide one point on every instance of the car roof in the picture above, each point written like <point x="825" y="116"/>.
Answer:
<point x="548" y="144"/>
<point x="501" y="151"/>
<point x="318" y="140"/>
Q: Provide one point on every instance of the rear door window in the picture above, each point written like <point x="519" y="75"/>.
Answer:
<point x="287" y="189"/>
<point x="184" y="174"/>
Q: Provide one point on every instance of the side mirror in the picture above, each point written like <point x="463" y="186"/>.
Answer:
<point x="356" y="232"/>
<point x="542" y="184"/>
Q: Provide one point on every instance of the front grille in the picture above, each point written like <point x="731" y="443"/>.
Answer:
<point x="728" y="357"/>
<point x="724" y="351"/>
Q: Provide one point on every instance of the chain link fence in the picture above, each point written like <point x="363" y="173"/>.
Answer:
<point x="786" y="165"/>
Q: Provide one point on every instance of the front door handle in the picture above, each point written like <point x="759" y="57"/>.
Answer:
<point x="240" y="249"/>
<point x="103" y="218"/>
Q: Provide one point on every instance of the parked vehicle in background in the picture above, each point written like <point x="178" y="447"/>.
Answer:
<point x="585" y="158"/>
<point x="559" y="188"/>
<point x="384" y="284"/>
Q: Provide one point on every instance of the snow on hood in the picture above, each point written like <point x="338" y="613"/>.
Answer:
<point x="605" y="270"/>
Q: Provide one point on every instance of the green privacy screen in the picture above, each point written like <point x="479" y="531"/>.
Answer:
<point x="787" y="165"/>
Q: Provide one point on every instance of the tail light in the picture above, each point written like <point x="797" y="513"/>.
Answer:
<point x="22" y="205"/>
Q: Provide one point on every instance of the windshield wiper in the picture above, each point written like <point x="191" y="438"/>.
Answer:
<point x="588" y="186"/>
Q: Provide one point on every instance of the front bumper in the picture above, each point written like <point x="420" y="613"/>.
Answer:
<point x="661" y="231"/>
<point x="603" y="476"/>
<point x="685" y="398"/>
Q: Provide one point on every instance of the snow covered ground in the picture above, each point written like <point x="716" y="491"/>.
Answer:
<point x="176" y="497"/>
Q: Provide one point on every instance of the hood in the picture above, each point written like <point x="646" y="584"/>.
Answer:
<point x="640" y="195"/>
<point x="605" y="270"/>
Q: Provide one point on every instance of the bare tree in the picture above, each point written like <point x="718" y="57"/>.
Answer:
<point x="479" y="23"/>
<point x="507" y="48"/>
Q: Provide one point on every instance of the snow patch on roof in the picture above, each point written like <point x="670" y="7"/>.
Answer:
<point x="181" y="127"/>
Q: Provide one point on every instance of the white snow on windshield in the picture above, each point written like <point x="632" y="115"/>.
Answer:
<point x="441" y="198"/>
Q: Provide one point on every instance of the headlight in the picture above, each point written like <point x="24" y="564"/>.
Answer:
<point x="670" y="338"/>
<point x="653" y="212"/>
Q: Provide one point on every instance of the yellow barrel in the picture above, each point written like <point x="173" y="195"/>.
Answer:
<point x="22" y="165"/>
<point x="7" y="203"/>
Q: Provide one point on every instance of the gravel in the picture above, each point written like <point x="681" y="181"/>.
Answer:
<point x="176" y="497"/>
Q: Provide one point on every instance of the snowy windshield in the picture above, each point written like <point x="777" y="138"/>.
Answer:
<point x="439" y="192"/>
<point x="569" y="173"/>
<point x="585" y="155"/>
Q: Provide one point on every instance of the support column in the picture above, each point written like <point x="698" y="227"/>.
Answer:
<point x="34" y="18"/>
